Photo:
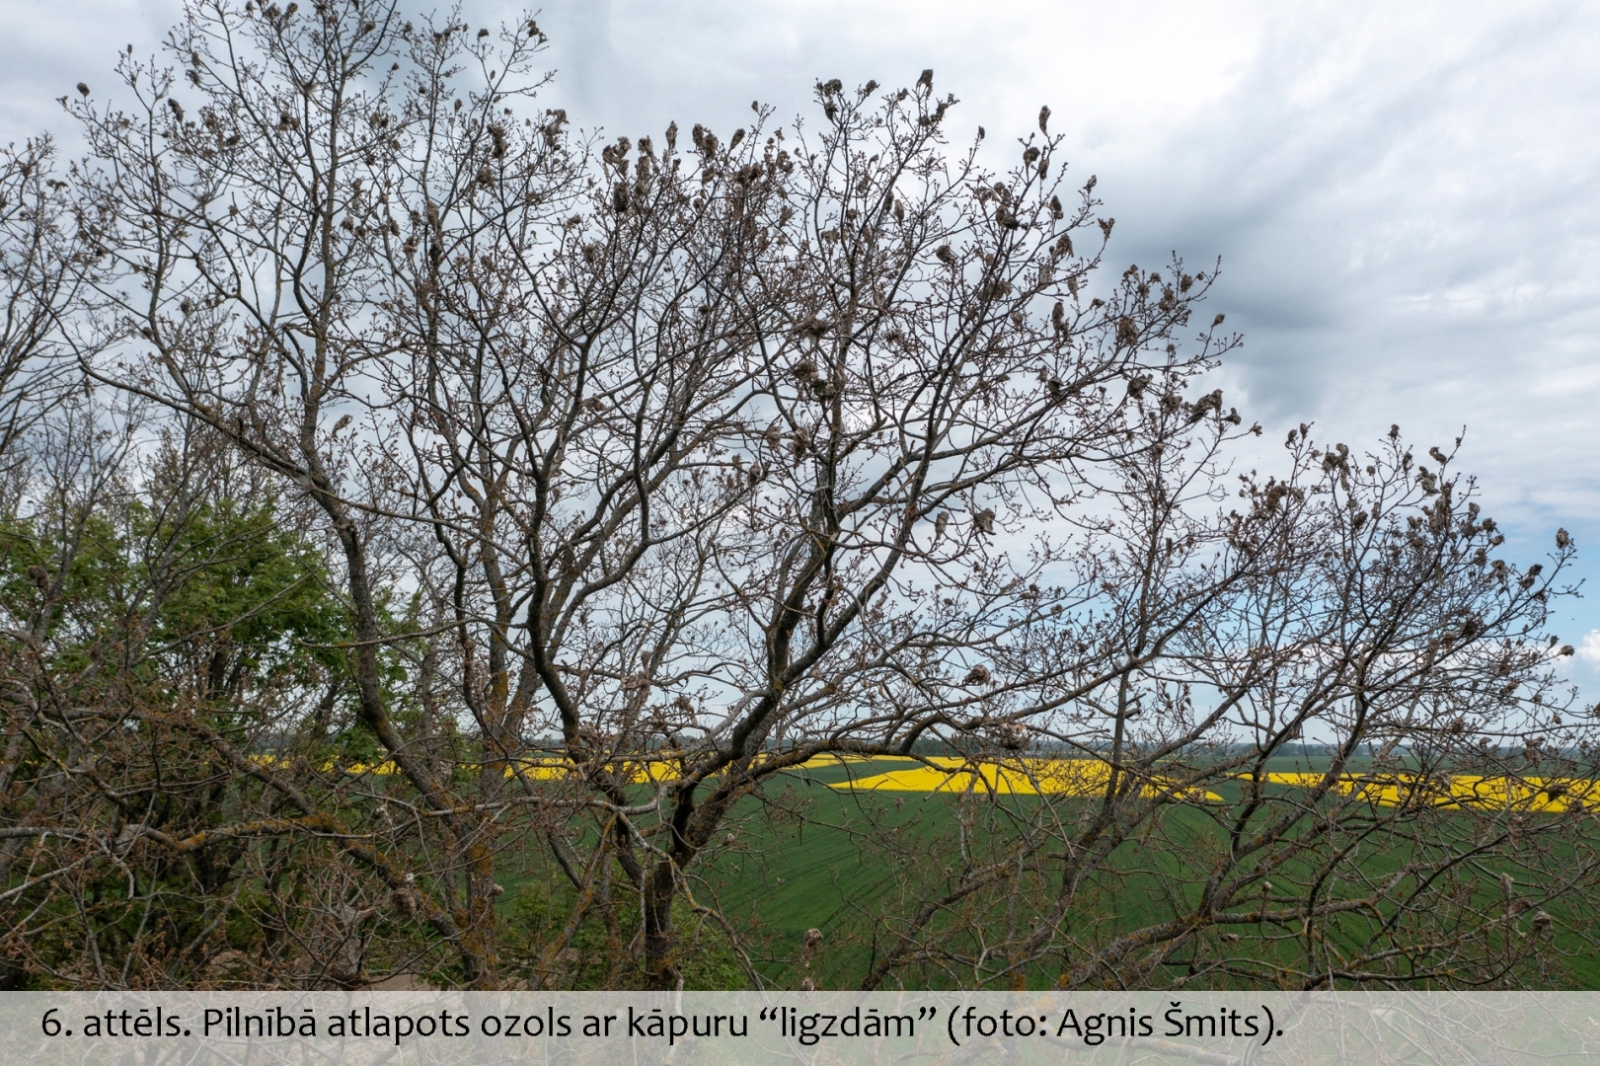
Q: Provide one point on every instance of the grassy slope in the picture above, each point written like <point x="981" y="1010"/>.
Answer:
<point x="814" y="872"/>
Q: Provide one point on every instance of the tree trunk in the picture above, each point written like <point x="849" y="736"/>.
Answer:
<point x="660" y="949"/>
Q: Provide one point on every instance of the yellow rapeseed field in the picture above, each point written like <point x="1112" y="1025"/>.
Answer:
<point x="1022" y="777"/>
<point x="1088" y="777"/>
<point x="1554" y="794"/>
<point x="667" y="766"/>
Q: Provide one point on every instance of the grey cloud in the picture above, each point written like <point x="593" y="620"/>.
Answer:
<point x="1403" y="196"/>
<point x="1413" y="244"/>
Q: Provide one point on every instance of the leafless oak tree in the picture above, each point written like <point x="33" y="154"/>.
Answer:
<point x="652" y="473"/>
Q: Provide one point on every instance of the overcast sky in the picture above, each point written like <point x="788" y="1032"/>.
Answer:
<point x="1405" y="198"/>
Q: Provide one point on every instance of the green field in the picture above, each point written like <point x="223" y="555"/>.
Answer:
<point x="806" y="855"/>
<point x="808" y="859"/>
